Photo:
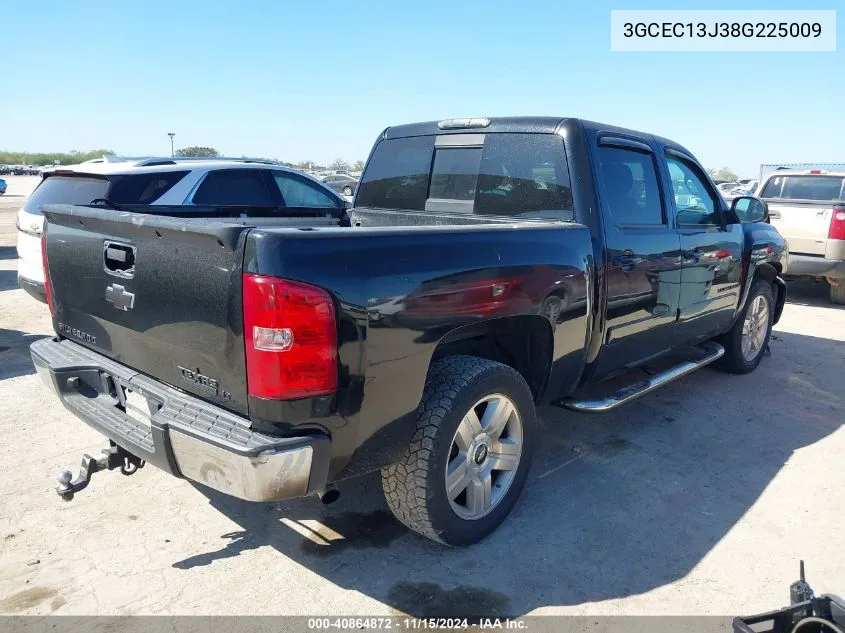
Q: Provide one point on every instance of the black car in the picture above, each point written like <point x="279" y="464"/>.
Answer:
<point x="489" y="265"/>
<point x="346" y="185"/>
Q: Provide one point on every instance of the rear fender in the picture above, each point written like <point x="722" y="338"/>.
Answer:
<point x="780" y="300"/>
<point x="768" y="272"/>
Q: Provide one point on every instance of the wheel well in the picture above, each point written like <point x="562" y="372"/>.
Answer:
<point x="769" y="271"/>
<point x="560" y="293"/>
<point x="521" y="342"/>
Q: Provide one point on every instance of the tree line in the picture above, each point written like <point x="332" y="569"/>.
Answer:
<point x="73" y="157"/>
<point x="50" y="158"/>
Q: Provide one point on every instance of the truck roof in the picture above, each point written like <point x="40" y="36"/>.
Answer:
<point x="512" y="124"/>
<point x="806" y="172"/>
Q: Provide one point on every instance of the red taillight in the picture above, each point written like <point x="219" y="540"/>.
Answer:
<point x="837" y="223"/>
<point x="290" y="335"/>
<point x="48" y="286"/>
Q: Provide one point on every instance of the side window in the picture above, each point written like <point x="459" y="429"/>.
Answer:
<point x="237" y="187"/>
<point x="143" y="188"/>
<point x="298" y="193"/>
<point x="630" y="180"/>
<point x="693" y="200"/>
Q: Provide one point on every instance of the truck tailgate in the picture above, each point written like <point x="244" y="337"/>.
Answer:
<point x="804" y="225"/>
<point x="160" y="295"/>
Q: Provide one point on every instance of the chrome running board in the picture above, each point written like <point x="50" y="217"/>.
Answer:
<point x="711" y="351"/>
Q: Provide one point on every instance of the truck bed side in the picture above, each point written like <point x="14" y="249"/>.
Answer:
<point x="404" y="293"/>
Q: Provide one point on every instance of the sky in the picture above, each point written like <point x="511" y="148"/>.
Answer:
<point x="320" y="80"/>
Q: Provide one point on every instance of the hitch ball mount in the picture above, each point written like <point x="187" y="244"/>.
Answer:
<point x="109" y="459"/>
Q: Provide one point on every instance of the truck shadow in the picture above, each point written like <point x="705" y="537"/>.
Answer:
<point x="807" y="292"/>
<point x="615" y="505"/>
<point x="14" y="353"/>
<point x="8" y="280"/>
<point x="8" y="252"/>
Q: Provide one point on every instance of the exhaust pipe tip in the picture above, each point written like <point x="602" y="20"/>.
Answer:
<point x="329" y="495"/>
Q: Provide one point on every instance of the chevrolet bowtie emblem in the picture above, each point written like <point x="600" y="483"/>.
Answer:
<point x="119" y="298"/>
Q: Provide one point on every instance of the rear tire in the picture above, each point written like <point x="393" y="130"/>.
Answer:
<point x="458" y="388"/>
<point x="746" y="342"/>
<point x="347" y="191"/>
<point x="837" y="293"/>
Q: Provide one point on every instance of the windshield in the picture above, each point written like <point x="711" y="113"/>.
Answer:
<point x="514" y="175"/>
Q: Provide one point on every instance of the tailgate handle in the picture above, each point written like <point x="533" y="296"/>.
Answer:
<point x="119" y="259"/>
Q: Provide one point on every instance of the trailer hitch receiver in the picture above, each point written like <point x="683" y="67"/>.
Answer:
<point x="109" y="459"/>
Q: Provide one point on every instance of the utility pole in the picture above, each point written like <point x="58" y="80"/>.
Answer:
<point x="171" y="135"/>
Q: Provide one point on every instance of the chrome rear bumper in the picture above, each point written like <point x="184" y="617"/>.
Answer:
<point x="814" y="266"/>
<point x="179" y="433"/>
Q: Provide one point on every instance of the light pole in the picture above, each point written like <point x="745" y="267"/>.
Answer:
<point x="171" y="135"/>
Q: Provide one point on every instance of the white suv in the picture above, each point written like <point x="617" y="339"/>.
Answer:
<point x="807" y="207"/>
<point x="161" y="181"/>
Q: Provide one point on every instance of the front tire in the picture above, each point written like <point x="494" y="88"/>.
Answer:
<point x="469" y="457"/>
<point x="746" y="342"/>
<point x="347" y="191"/>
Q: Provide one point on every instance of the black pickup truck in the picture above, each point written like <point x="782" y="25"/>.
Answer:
<point x="486" y="266"/>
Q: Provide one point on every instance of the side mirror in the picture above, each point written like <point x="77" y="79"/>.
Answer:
<point x="749" y="209"/>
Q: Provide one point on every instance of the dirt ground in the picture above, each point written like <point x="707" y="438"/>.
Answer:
<point x="697" y="499"/>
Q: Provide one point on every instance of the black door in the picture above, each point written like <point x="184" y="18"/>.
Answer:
<point x="642" y="258"/>
<point x="711" y="271"/>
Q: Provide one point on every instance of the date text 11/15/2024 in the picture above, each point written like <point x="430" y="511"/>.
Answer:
<point x="415" y="624"/>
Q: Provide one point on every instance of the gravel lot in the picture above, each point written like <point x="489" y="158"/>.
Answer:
<point x="697" y="499"/>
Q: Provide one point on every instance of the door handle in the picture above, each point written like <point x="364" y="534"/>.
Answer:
<point x="693" y="254"/>
<point x="627" y="261"/>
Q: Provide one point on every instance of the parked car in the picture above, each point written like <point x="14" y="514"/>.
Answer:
<point x="160" y="182"/>
<point x="342" y="183"/>
<point x="5" y="169"/>
<point x="808" y="208"/>
<point x="745" y="187"/>
<point x="2" y="186"/>
<point x="269" y="360"/>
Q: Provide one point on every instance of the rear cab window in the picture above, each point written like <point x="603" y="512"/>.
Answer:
<point x="493" y="174"/>
<point x="805" y="187"/>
